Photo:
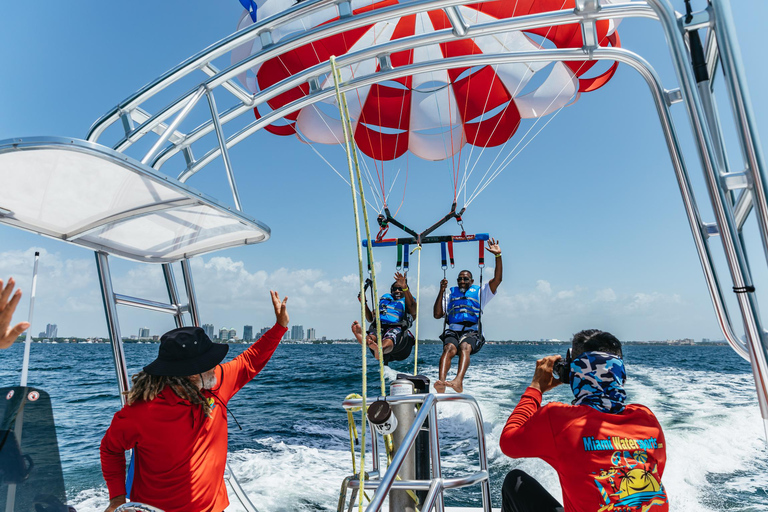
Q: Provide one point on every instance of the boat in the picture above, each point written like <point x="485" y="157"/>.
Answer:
<point x="154" y="217"/>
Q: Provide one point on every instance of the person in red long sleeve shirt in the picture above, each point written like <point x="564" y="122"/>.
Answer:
<point x="175" y="420"/>
<point x="609" y="456"/>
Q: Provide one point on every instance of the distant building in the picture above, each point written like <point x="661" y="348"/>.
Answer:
<point x="297" y="332"/>
<point x="143" y="333"/>
<point x="322" y="339"/>
<point x="311" y="334"/>
<point x="223" y="334"/>
<point x="51" y="331"/>
<point x="262" y="332"/>
<point x="232" y="335"/>
<point x="208" y="328"/>
<point x="247" y="332"/>
<point x="287" y="336"/>
<point x="156" y="337"/>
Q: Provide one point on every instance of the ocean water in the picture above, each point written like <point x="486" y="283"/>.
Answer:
<point x="293" y="451"/>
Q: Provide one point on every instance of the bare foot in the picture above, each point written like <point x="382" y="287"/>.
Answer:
<point x="440" y="386"/>
<point x="357" y="330"/>
<point x="457" y="386"/>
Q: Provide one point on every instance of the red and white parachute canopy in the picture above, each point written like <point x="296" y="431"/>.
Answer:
<point x="431" y="114"/>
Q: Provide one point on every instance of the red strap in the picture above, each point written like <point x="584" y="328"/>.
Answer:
<point x="450" y="252"/>
<point x="481" y="256"/>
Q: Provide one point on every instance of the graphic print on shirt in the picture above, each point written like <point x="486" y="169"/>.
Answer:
<point x="632" y="483"/>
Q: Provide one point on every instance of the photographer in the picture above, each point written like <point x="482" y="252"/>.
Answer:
<point x="608" y="455"/>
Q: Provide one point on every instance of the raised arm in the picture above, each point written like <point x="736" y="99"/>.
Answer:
<point x="239" y="371"/>
<point x="437" y="310"/>
<point x="493" y="248"/>
<point x="410" y="302"/>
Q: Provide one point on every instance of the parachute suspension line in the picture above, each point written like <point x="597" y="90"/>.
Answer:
<point x="369" y="178"/>
<point x="312" y="146"/>
<point x="354" y="169"/>
<point x="330" y="130"/>
<point x="424" y="30"/>
<point x="507" y="161"/>
<point x="405" y="185"/>
<point x="416" y="327"/>
<point x="487" y="98"/>
<point x="453" y="151"/>
<point x="512" y="96"/>
<point x="379" y="175"/>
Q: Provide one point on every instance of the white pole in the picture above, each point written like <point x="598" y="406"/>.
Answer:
<point x="28" y="341"/>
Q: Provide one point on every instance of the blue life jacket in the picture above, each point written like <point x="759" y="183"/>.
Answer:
<point x="464" y="307"/>
<point x="391" y="311"/>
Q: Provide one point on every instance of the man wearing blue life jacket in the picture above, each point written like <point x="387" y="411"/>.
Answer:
<point x="397" y="309"/>
<point x="462" y="307"/>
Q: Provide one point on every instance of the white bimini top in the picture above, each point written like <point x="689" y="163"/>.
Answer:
<point x="93" y="196"/>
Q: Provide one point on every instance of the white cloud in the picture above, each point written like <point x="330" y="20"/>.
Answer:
<point x="231" y="293"/>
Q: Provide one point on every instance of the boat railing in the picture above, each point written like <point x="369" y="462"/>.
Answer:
<point x="435" y="487"/>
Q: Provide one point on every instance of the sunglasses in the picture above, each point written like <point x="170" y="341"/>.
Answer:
<point x="463" y="278"/>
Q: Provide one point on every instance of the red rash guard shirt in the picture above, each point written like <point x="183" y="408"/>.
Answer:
<point x="179" y="453"/>
<point x="606" y="462"/>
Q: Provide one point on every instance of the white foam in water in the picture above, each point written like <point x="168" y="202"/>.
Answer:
<point x="287" y="477"/>
<point x="711" y="423"/>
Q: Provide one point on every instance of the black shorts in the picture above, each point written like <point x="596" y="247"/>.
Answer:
<point x="456" y="338"/>
<point x="402" y="340"/>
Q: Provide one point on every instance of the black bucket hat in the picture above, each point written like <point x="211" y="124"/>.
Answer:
<point x="186" y="351"/>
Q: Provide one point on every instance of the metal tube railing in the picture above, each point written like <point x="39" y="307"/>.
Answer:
<point x="397" y="460"/>
<point x="188" y="106"/>
<point x="173" y="293"/>
<point x="527" y="22"/>
<point x="136" y="302"/>
<point x="438" y="484"/>
<point x="734" y="253"/>
<point x="110" y="311"/>
<point x="189" y="286"/>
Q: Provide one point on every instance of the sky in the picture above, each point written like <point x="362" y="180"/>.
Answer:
<point x="588" y="215"/>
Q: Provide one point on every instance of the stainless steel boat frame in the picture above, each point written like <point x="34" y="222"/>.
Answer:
<point x="427" y="404"/>
<point x="733" y="194"/>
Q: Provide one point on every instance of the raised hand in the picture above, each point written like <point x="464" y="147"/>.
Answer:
<point x="443" y="284"/>
<point x="281" y="313"/>
<point x="9" y="334"/>
<point x="493" y="246"/>
<point x="401" y="280"/>
<point x="543" y="379"/>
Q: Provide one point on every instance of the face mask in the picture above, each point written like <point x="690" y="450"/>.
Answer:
<point x="597" y="380"/>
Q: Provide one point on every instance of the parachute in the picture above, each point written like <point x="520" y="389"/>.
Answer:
<point x="432" y="115"/>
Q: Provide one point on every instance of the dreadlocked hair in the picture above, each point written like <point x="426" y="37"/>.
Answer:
<point x="146" y="387"/>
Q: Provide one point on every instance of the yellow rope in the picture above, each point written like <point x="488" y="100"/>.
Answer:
<point x="352" y="166"/>
<point x="354" y="171"/>
<point x="416" y="327"/>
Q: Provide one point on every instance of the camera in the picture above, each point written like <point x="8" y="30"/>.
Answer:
<point x="562" y="368"/>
